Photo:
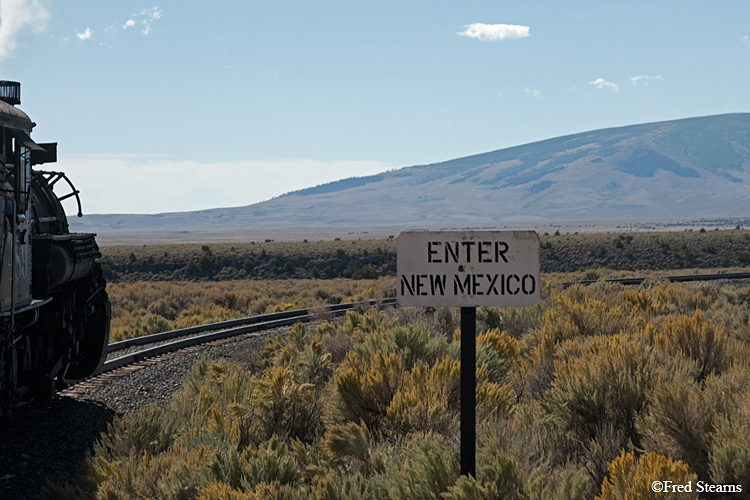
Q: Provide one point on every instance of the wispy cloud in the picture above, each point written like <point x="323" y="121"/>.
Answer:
<point x="145" y="19"/>
<point x="601" y="83"/>
<point x="531" y="92"/>
<point x="645" y="79"/>
<point x="746" y="40"/>
<point x="17" y="17"/>
<point x="149" y="16"/>
<point x="86" y="35"/>
<point x="494" y="32"/>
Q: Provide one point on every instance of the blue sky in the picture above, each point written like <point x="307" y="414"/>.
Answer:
<point x="180" y="105"/>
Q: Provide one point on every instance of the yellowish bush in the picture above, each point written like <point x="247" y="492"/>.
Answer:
<point x="288" y="408"/>
<point x="695" y="338"/>
<point x="506" y="346"/>
<point x="349" y="445"/>
<point x="365" y="386"/>
<point x="631" y="479"/>
<point x="427" y="399"/>
<point x="606" y="386"/>
<point x="201" y="315"/>
<point x="573" y="316"/>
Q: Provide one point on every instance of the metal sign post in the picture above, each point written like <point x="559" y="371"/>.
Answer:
<point x="468" y="391"/>
<point x="468" y="269"/>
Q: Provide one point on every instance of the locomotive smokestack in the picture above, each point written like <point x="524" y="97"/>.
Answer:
<point x="10" y="92"/>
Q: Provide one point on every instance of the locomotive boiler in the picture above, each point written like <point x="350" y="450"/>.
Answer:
<point x="54" y="309"/>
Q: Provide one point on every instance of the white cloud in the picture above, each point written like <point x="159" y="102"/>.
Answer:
<point x="150" y="15"/>
<point x="746" y="40"/>
<point x="601" y="83"/>
<point x="644" y="79"/>
<point x="531" y="92"/>
<point x="494" y="32"/>
<point x="17" y="17"/>
<point x="175" y="186"/>
<point x="128" y="24"/>
<point x="86" y="35"/>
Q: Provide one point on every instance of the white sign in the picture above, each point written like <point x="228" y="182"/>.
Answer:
<point x="468" y="268"/>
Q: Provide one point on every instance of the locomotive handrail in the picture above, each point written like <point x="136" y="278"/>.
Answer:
<point x="61" y="175"/>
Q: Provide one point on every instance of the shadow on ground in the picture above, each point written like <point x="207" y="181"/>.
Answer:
<point x="47" y="442"/>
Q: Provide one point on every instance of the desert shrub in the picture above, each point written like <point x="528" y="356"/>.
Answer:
<point x="264" y="491"/>
<point x="287" y="407"/>
<point x="268" y="463"/>
<point x="695" y="338"/>
<point x="170" y="474"/>
<point x="221" y="491"/>
<point x="502" y="343"/>
<point x="470" y="488"/>
<point x="415" y="342"/>
<point x="523" y="441"/>
<point x="149" y="431"/>
<point x="153" y="323"/>
<point x="514" y="320"/>
<point x="365" y="273"/>
<point x="201" y="315"/>
<point x="630" y="478"/>
<point x="678" y="423"/>
<point x="365" y="385"/>
<point x="337" y="344"/>
<point x="444" y="321"/>
<point x="336" y="486"/>
<point x="490" y="316"/>
<point x="163" y="307"/>
<point x="602" y="389"/>
<point x="427" y="400"/>
<point x="568" y="482"/>
<point x="729" y="456"/>
<point x="573" y="316"/>
<point x="350" y="446"/>
<point x="315" y="364"/>
<point x="494" y="399"/>
<point x="429" y="467"/>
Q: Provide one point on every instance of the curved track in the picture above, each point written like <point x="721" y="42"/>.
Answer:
<point x="169" y="343"/>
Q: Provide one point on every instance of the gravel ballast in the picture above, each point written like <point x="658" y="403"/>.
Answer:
<point x="48" y="441"/>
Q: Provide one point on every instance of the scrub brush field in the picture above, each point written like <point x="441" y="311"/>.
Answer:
<point x="595" y="392"/>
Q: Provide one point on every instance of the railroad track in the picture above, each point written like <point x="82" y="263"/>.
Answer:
<point x="675" y="279"/>
<point x="174" y="343"/>
<point x="178" y="342"/>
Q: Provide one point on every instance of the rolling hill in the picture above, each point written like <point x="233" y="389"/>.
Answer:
<point x="681" y="169"/>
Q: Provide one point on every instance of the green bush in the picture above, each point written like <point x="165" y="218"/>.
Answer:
<point x="729" y="456"/>
<point x="594" y="398"/>
<point x="678" y="423"/>
<point x="429" y="467"/>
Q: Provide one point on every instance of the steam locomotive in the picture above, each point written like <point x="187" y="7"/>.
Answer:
<point x="54" y="309"/>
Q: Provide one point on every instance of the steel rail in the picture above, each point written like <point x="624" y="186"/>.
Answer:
<point x="674" y="279"/>
<point x="223" y="330"/>
<point x="262" y="318"/>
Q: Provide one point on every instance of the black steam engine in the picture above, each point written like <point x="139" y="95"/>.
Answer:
<point x="54" y="310"/>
